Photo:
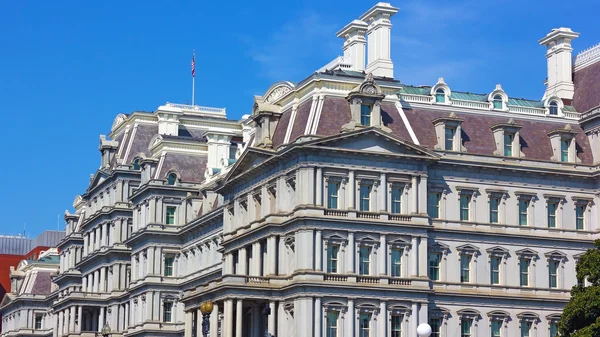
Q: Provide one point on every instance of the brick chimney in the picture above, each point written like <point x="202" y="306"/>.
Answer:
<point x="560" y="69"/>
<point x="379" y="39"/>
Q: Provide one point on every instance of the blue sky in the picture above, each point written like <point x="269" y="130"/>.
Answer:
<point x="67" y="68"/>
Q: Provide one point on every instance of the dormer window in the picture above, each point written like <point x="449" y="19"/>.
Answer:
<point x="507" y="139"/>
<point x="564" y="149"/>
<point x="449" y="133"/>
<point x="508" y="144"/>
<point x="553" y="108"/>
<point x="440" y="96"/>
<point x="563" y="145"/>
<point x="365" y="115"/>
<point x="136" y="164"/>
<point x="497" y="102"/>
<point x="171" y="179"/>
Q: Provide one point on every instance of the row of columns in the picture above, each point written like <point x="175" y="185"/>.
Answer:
<point x="106" y="279"/>
<point x="69" y="258"/>
<point x="105" y="234"/>
<point x="118" y="192"/>
<point x="68" y="320"/>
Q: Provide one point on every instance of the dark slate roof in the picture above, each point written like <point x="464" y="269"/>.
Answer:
<point x="279" y="134"/>
<point x="301" y="120"/>
<point x="479" y="139"/>
<point x="587" y="88"/>
<point x="42" y="284"/>
<point x="190" y="168"/>
<point x="335" y="113"/>
<point x="143" y="136"/>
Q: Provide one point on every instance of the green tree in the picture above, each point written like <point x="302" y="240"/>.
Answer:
<point x="581" y="316"/>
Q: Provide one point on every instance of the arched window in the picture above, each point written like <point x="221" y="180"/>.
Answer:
<point x="136" y="164"/>
<point x="553" y="108"/>
<point x="497" y="102"/>
<point x="171" y="179"/>
<point x="440" y="96"/>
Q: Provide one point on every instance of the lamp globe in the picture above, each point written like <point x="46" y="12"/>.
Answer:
<point x="424" y="330"/>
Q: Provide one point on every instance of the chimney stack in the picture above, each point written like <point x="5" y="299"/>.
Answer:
<point x="560" y="69"/>
<point x="354" y="43"/>
<point x="378" y="39"/>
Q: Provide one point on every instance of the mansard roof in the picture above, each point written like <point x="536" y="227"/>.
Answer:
<point x="190" y="168"/>
<point x="587" y="88"/>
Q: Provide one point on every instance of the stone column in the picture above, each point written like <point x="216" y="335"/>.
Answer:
<point x="80" y="317"/>
<point x="272" y="254"/>
<point x="61" y="323"/>
<point x="188" y="324"/>
<point x="242" y="261"/>
<point x="65" y="324"/>
<point x="239" y="316"/>
<point x="150" y="306"/>
<point x="414" y="202"/>
<point x="92" y="239"/>
<point x="199" y="322"/>
<point x="423" y="257"/>
<point x="127" y="313"/>
<point x="72" y="319"/>
<point x="272" y="318"/>
<point x="318" y="315"/>
<point x="105" y="236"/>
<point x="350" y="252"/>
<point x="86" y="240"/>
<point x="318" y="251"/>
<point x="383" y="319"/>
<point x="382" y="193"/>
<point x="414" y="318"/>
<point x="382" y="255"/>
<point x="214" y="321"/>
<point x="101" y="287"/>
<point x="319" y="186"/>
<point x="351" y="191"/>
<point x="414" y="256"/>
<point x="350" y="320"/>
<point x="151" y="267"/>
<point x="304" y="241"/>
<point x="228" y="318"/>
<point x="256" y="257"/>
<point x="423" y="195"/>
<point x="101" y="321"/>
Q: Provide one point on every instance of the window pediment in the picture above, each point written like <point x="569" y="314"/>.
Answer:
<point x="497" y="251"/>
<point x="498" y="314"/>
<point x="468" y="313"/>
<point x="556" y="255"/>
<point x="527" y="253"/>
<point x="528" y="316"/>
<point x="468" y="249"/>
<point x="439" y="247"/>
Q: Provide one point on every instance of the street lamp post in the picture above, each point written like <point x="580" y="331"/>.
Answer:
<point x="424" y="330"/>
<point x="206" y="308"/>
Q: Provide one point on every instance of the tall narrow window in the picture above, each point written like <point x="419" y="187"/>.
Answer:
<point x="136" y="164"/>
<point x="523" y="206"/>
<point x="524" y="271"/>
<point x="525" y="328"/>
<point x="171" y="179"/>
<point x="433" y="205"/>
<point x="364" y="325"/>
<point x="553" y="329"/>
<point x="495" y="269"/>
<point x="579" y="217"/>
<point x="332" y="258"/>
<point x="396" y="325"/>
<point x="465" y="268"/>
<point x="497" y="102"/>
<point x="553" y="108"/>
<point x="449" y="138"/>
<point x="508" y="144"/>
<point x="396" y="199"/>
<point x="364" y="260"/>
<point x="552" y="214"/>
<point x="333" y="188"/>
<point x="365" y="115"/>
<point x="396" y="262"/>
<point x="494" y="206"/>
<point x="167" y="311"/>
<point x="332" y="321"/>
<point x="435" y="324"/>
<point x="465" y="327"/>
<point x="496" y="326"/>
<point x="170" y="215"/>
<point x="365" y="197"/>
<point x="434" y="266"/>
<point x="440" y="96"/>
<point x="465" y="200"/>
<point x="553" y="273"/>
<point x="38" y="321"/>
<point x="168" y="270"/>
<point x="564" y="150"/>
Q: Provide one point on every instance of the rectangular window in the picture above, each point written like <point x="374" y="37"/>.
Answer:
<point x="435" y="324"/>
<point x="508" y="144"/>
<point x="169" y="260"/>
<point x="396" y="325"/>
<point x="495" y="270"/>
<point x="170" y="215"/>
<point x="523" y="207"/>
<point x="553" y="273"/>
<point x="579" y="216"/>
<point x="332" y="321"/>
<point x="434" y="266"/>
<point x="396" y="262"/>
<point x="552" y="215"/>
<point x="465" y="268"/>
<point x="365" y="197"/>
<point x="332" y="258"/>
<point x="38" y="321"/>
<point x="564" y="150"/>
<point x="167" y="311"/>
<point x="525" y="328"/>
<point x="396" y="200"/>
<point x="364" y="325"/>
<point x="364" y="260"/>
<point x="365" y="115"/>
<point x="465" y="327"/>
<point x="524" y="271"/>
<point x="494" y="206"/>
<point x="332" y="194"/>
<point x="496" y="326"/>
<point x="465" y="200"/>
<point x="449" y="137"/>
<point x="553" y="329"/>
<point x="433" y="205"/>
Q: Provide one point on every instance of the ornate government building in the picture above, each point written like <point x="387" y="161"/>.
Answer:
<point x="348" y="204"/>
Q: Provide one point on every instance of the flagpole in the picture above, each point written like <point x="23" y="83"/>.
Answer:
<point x="193" y="76"/>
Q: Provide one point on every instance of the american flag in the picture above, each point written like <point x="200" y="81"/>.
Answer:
<point x="193" y="65"/>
